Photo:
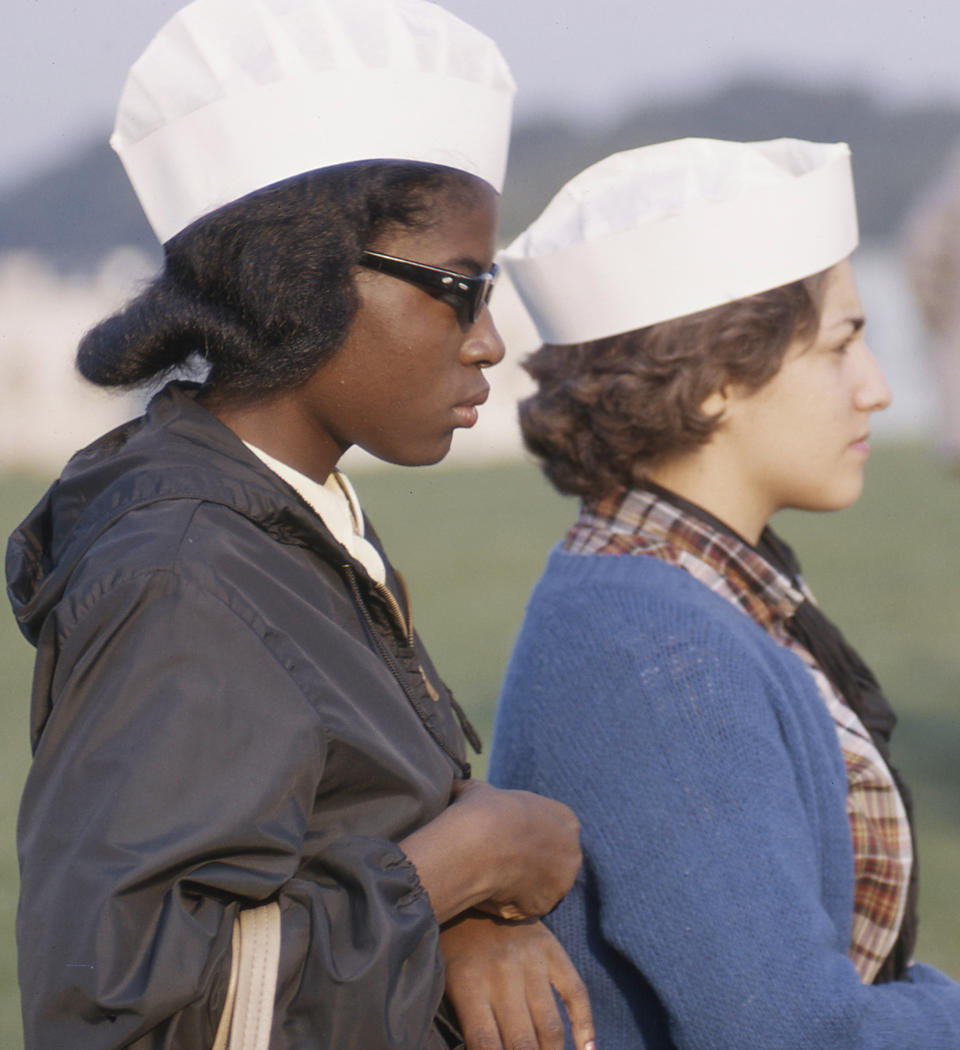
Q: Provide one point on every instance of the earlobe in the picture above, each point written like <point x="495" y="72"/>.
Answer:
<point x="715" y="405"/>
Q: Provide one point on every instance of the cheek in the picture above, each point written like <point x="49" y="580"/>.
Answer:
<point x="419" y="340"/>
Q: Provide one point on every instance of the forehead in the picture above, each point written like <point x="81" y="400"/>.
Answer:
<point x="460" y="223"/>
<point x="841" y="300"/>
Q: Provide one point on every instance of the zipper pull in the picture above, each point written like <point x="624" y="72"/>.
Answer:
<point x="433" y="694"/>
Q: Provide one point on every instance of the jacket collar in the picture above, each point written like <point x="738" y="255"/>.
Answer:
<point x="177" y="451"/>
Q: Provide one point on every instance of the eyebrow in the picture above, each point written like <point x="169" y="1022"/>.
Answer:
<point x="856" y="322"/>
<point x="465" y="264"/>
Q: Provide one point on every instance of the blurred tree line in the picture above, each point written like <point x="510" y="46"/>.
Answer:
<point x="75" y="213"/>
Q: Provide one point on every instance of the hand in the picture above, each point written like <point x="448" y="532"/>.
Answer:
<point x="539" y="847"/>
<point x="514" y="852"/>
<point x="500" y="978"/>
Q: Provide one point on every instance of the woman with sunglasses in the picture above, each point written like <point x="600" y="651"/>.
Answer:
<point x="749" y="873"/>
<point x="249" y="819"/>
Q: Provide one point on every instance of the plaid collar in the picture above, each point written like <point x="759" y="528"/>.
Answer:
<point x="654" y="522"/>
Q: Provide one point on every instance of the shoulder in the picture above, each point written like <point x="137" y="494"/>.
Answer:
<point x="630" y="649"/>
<point x="594" y="577"/>
<point x="222" y="523"/>
<point x="638" y="603"/>
<point x="203" y="543"/>
<point x="175" y="563"/>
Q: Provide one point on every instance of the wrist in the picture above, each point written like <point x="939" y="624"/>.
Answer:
<point x="455" y="860"/>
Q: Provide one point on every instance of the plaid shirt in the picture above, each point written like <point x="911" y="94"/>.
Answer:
<point x="640" y="522"/>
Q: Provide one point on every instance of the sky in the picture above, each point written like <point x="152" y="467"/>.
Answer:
<point x="62" y="62"/>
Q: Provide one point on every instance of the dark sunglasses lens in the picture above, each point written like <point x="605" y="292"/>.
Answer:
<point x="478" y="298"/>
<point x="482" y="292"/>
<point x="470" y="298"/>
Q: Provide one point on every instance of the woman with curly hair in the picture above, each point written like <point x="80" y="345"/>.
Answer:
<point x="749" y="871"/>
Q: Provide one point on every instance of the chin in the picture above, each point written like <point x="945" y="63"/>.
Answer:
<point x="831" y="501"/>
<point x="424" y="455"/>
<point x="853" y="492"/>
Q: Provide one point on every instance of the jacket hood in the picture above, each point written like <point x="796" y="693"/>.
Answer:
<point x="177" y="450"/>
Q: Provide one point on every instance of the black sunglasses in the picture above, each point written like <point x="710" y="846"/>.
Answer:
<point x="471" y="293"/>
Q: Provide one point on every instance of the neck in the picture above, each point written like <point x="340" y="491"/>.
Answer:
<point x="278" y="426"/>
<point x="706" y="481"/>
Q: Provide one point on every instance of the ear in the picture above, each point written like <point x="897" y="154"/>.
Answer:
<point x="715" y="404"/>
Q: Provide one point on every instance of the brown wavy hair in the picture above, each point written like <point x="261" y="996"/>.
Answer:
<point x="608" y="410"/>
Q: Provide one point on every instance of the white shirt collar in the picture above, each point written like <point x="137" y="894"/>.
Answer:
<point x="337" y="505"/>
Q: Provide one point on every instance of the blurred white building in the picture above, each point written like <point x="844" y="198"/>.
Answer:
<point x="47" y="411"/>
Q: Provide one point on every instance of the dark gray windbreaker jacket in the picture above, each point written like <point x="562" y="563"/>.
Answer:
<point x="226" y="710"/>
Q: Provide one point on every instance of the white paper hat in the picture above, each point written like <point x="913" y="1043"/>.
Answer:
<point x="235" y="95"/>
<point x="663" y="231"/>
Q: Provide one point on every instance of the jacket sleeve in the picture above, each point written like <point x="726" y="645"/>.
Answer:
<point x="707" y="835"/>
<point x="173" y="784"/>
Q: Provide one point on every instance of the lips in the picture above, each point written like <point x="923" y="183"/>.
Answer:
<point x="862" y="443"/>
<point x="466" y="411"/>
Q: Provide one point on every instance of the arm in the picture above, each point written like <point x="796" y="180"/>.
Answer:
<point x="710" y="790"/>
<point x="173" y="784"/>
<point x="491" y="848"/>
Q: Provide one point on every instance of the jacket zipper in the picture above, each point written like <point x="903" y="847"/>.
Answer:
<point x="389" y="659"/>
<point x="473" y="737"/>
<point x="407" y="623"/>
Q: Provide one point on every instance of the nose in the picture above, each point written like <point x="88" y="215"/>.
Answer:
<point x="873" y="393"/>
<point x="482" y="346"/>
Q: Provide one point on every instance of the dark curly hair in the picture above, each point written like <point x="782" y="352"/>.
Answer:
<point x="607" y="411"/>
<point x="262" y="290"/>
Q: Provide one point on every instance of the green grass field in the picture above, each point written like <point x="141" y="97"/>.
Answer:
<point x="471" y="542"/>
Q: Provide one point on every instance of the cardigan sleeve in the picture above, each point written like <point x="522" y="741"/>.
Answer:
<point x="717" y="884"/>
<point x="172" y="785"/>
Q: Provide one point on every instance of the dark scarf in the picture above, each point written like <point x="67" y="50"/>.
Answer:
<point x="852" y="679"/>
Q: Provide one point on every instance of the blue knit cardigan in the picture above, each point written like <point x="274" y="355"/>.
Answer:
<point x="713" y="910"/>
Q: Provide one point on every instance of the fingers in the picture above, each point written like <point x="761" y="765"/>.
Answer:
<point x="478" y="1025"/>
<point x="487" y="983"/>
<point x="573" y="992"/>
<point x="542" y="1010"/>
<point x="509" y="912"/>
<point x="513" y="1015"/>
<point x="501" y="979"/>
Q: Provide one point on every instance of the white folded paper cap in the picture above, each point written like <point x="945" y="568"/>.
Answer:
<point x="234" y="95"/>
<point x="663" y="231"/>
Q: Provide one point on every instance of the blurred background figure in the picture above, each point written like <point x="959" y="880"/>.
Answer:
<point x="931" y="248"/>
